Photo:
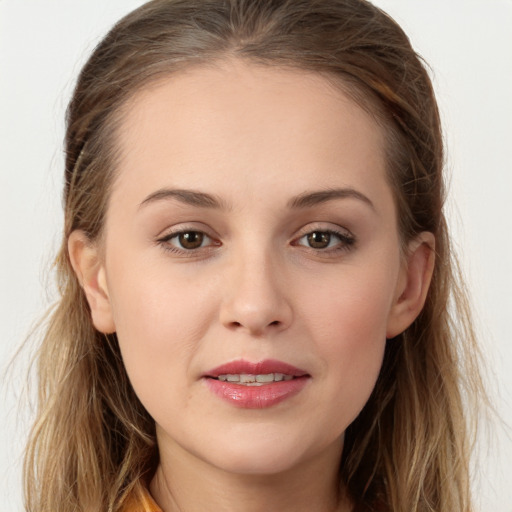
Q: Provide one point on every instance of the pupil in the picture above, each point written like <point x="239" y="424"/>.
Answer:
<point x="319" y="240"/>
<point x="191" y="239"/>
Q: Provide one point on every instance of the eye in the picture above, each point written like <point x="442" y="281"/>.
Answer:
<point x="326" y="239"/>
<point x="189" y="240"/>
<point x="319" y="239"/>
<point x="186" y="240"/>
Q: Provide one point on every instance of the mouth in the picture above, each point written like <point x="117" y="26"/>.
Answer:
<point x="247" y="379"/>
<point x="256" y="385"/>
<point x="262" y="372"/>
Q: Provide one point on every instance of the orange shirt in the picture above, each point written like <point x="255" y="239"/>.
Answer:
<point x="143" y="502"/>
<point x="140" y="503"/>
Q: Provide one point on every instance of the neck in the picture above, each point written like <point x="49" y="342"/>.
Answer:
<point x="185" y="484"/>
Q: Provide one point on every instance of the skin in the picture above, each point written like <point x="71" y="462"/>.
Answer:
<point x="256" y="139"/>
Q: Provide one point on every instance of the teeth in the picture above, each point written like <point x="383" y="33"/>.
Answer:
<point x="254" y="380"/>
<point x="269" y="377"/>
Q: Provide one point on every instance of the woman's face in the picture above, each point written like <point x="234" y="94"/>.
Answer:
<point x="251" y="264"/>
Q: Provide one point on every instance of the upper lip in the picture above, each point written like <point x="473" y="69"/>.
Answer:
<point x="267" y="366"/>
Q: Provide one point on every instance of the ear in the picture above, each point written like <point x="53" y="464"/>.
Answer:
<point x="89" y="268"/>
<point x="413" y="284"/>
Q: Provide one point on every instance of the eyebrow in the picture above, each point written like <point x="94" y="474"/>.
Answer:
<point x="314" y="198"/>
<point x="189" y="197"/>
<point x="304" y="200"/>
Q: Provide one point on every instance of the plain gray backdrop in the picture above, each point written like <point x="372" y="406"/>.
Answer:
<point x="468" y="44"/>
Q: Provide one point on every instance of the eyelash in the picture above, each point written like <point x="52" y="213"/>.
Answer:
<point x="346" y="240"/>
<point x="167" y="245"/>
<point x="345" y="244"/>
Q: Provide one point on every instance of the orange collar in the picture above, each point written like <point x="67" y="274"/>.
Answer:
<point x="140" y="501"/>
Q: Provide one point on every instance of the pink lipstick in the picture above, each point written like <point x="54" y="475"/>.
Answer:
<point x="256" y="385"/>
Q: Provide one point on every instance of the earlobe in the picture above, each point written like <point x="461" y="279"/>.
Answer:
<point x="88" y="266"/>
<point x="413" y="285"/>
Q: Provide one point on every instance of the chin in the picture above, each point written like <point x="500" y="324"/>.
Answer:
<point x="258" y="464"/>
<point x="266" y="452"/>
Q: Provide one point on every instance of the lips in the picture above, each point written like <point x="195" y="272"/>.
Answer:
<point x="256" y="385"/>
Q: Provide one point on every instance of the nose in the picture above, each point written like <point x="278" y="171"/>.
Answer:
<point x="255" y="299"/>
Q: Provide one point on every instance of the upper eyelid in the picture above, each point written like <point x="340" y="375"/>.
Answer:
<point x="184" y="228"/>
<point x="338" y="232"/>
<point x="174" y="234"/>
<point x="323" y="227"/>
<point x="200" y="227"/>
<point x="343" y="237"/>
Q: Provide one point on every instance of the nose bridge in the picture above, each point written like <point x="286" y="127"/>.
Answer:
<point x="255" y="299"/>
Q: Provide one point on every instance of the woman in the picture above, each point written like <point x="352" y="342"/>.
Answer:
<point x="255" y="272"/>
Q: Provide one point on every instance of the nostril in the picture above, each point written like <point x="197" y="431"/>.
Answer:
<point x="237" y="325"/>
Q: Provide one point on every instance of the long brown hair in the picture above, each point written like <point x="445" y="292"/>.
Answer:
<point x="409" y="448"/>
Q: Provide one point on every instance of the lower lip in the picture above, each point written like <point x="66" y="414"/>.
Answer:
<point x="256" y="397"/>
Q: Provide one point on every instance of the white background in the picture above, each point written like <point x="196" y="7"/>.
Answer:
<point x="469" y="46"/>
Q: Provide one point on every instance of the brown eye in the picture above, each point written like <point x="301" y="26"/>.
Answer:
<point x="319" y="239"/>
<point x="190" y="239"/>
<point x="189" y="242"/>
<point x="327" y="241"/>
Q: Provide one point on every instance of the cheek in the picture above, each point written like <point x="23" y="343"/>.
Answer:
<point x="348" y="321"/>
<point x="351" y="335"/>
<point x="351" y="308"/>
<point x="160" y="321"/>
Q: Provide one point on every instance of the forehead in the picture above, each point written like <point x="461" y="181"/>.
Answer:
<point x="248" y="125"/>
